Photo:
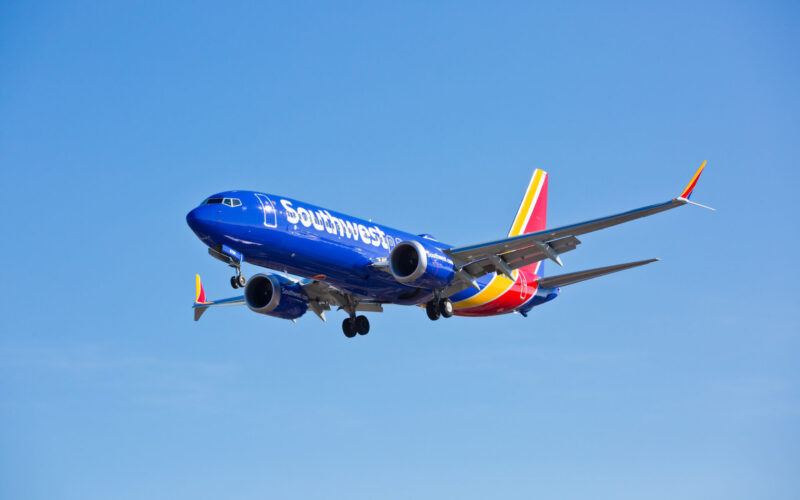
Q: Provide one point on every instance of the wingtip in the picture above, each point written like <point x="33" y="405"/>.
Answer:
<point x="687" y="192"/>
<point x="200" y="294"/>
<point x="198" y="312"/>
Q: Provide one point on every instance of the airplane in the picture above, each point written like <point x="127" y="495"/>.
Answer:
<point x="359" y="266"/>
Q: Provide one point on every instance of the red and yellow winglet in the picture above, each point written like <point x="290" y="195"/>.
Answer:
<point x="692" y="183"/>
<point x="200" y="294"/>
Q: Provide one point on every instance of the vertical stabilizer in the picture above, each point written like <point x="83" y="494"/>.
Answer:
<point x="532" y="213"/>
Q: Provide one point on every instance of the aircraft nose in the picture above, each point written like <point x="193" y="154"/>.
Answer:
<point x="196" y="220"/>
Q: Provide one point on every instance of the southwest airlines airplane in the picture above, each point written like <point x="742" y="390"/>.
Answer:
<point x="356" y="265"/>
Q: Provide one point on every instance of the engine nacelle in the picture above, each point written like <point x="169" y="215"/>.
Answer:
<point x="275" y="296"/>
<point x="421" y="265"/>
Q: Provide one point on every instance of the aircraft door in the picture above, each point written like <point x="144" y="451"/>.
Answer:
<point x="269" y="210"/>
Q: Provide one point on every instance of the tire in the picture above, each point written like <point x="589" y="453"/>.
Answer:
<point x="241" y="280"/>
<point x="234" y="282"/>
<point x="432" y="308"/>
<point x="349" y="328"/>
<point x="362" y="325"/>
<point x="446" y="308"/>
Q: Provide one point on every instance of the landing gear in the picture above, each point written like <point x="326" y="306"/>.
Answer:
<point x="362" y="325"/>
<point x="432" y="308"/>
<point x="437" y="308"/>
<point x="234" y="259"/>
<point x="446" y="308"/>
<point x="238" y="280"/>
<point x="349" y="327"/>
<point x="355" y="325"/>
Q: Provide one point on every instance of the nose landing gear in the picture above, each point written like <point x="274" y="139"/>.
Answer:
<point x="238" y="280"/>
<point x="234" y="259"/>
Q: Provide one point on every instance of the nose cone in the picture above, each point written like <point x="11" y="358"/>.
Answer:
<point x="198" y="220"/>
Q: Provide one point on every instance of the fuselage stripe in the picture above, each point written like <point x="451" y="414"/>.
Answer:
<point x="496" y="288"/>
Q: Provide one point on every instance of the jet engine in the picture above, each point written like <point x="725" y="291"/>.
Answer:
<point x="422" y="265"/>
<point x="275" y="296"/>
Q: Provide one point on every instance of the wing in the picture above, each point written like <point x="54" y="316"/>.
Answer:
<point x="321" y="296"/>
<point x="505" y="255"/>
<point x="201" y="304"/>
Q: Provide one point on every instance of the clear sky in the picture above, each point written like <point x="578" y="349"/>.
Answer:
<point x="676" y="380"/>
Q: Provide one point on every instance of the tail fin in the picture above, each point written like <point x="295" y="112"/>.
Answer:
<point x="532" y="213"/>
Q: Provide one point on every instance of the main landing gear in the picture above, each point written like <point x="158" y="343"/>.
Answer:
<point x="440" y="307"/>
<point x="355" y="325"/>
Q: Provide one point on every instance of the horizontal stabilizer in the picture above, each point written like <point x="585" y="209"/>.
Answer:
<point x="568" y="279"/>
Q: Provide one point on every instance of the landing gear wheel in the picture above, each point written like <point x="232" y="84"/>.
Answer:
<point x="349" y="327"/>
<point x="362" y="325"/>
<point x="241" y="280"/>
<point x="446" y="308"/>
<point x="432" y="308"/>
<point x="234" y="282"/>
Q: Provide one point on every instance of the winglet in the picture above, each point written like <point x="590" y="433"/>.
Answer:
<point x="198" y="311"/>
<point x="687" y="193"/>
<point x="200" y="294"/>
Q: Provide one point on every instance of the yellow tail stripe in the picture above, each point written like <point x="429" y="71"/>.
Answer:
<point x="527" y="203"/>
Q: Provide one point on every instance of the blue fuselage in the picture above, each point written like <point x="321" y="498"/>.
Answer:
<point x="309" y="241"/>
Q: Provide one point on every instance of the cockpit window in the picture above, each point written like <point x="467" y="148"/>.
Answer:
<point x="231" y="202"/>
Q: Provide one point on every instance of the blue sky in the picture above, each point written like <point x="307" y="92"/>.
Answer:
<point x="677" y="380"/>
